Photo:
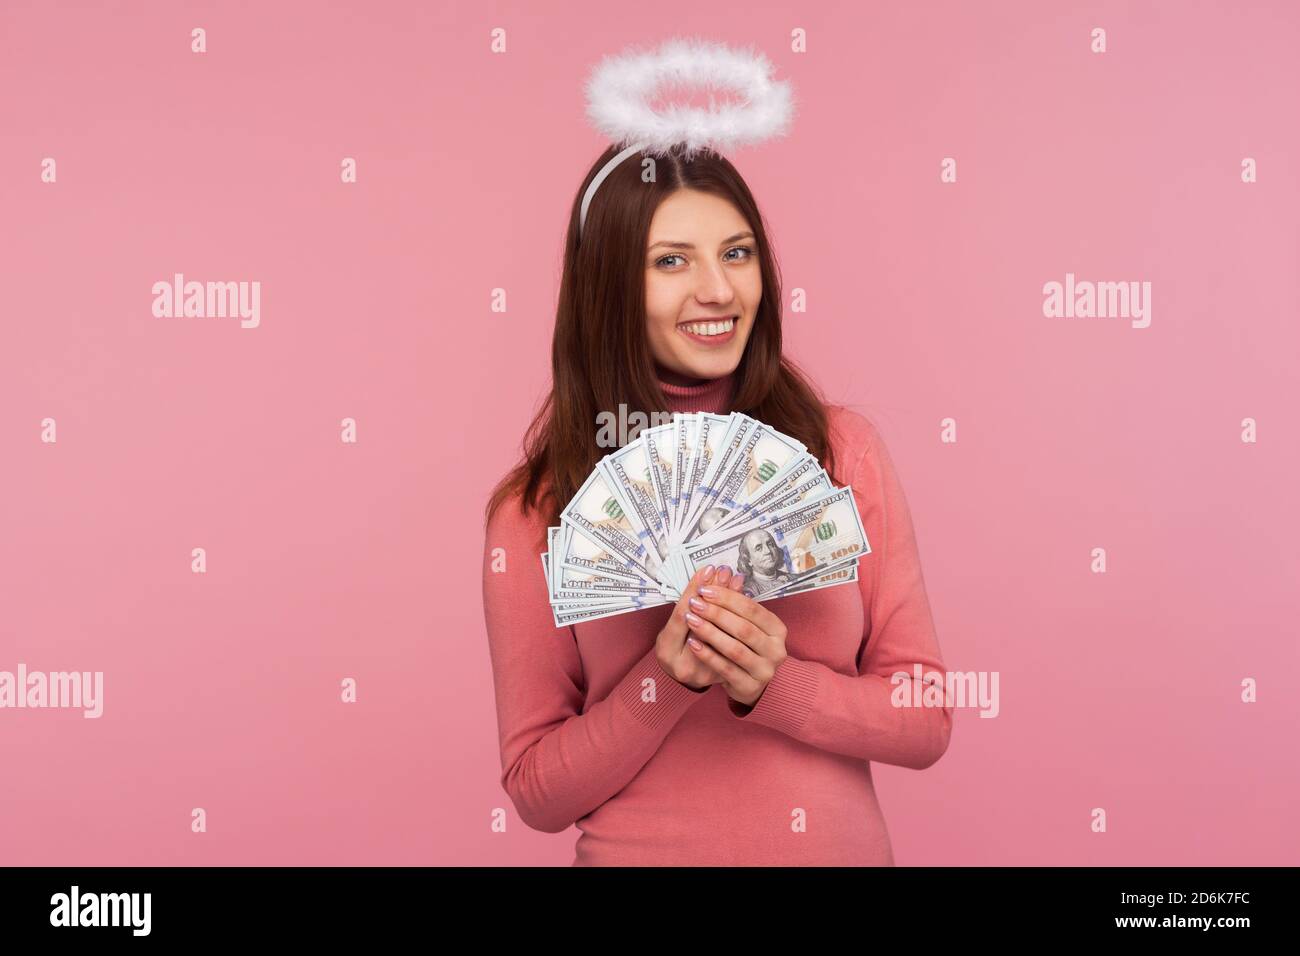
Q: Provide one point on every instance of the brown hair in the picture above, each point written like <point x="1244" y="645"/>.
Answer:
<point x="599" y="353"/>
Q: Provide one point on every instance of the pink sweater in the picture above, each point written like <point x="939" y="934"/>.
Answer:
<point x="679" y="777"/>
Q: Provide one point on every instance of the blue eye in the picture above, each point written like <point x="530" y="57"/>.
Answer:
<point x="748" y="253"/>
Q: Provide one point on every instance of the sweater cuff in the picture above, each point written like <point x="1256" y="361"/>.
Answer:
<point x="787" y="700"/>
<point x="670" y="699"/>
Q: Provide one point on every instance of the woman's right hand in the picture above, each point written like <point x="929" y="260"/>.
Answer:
<point x="681" y="663"/>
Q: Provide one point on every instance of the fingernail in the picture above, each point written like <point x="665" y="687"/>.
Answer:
<point x="725" y="568"/>
<point x="708" y="593"/>
<point x="694" y="643"/>
<point x="708" y="573"/>
<point x="737" y="580"/>
<point x="697" y="604"/>
<point x="693" y="618"/>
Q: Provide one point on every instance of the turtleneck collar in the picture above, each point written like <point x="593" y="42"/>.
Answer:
<point x="711" y="395"/>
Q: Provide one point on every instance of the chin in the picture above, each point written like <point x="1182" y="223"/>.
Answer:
<point x="701" y="364"/>
<point x="714" y="368"/>
<point x="698" y="358"/>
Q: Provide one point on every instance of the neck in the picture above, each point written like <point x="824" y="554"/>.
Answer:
<point x="676" y="378"/>
<point x="685" y="394"/>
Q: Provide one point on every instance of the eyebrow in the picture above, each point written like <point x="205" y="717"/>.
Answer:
<point x="687" y="245"/>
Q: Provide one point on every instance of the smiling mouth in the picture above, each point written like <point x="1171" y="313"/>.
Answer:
<point x="710" y="332"/>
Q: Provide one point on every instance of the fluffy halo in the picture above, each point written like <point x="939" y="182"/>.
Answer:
<point x="620" y="88"/>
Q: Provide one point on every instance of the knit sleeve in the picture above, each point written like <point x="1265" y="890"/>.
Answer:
<point x="558" y="761"/>
<point x="855" y="714"/>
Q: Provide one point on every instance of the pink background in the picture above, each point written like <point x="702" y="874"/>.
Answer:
<point x="328" y="560"/>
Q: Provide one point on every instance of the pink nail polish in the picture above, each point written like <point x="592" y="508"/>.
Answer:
<point x="693" y="619"/>
<point x="697" y="604"/>
<point x="708" y="573"/>
<point x="708" y="592"/>
<point x="737" y="581"/>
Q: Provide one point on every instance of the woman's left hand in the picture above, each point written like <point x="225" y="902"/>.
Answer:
<point x="739" y="638"/>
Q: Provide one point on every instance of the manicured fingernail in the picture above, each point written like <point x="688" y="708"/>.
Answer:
<point x="694" y="643"/>
<point x="737" y="580"/>
<point x="708" y="593"/>
<point x="725" y="568"/>
<point x="708" y="573"/>
<point x="694" y="619"/>
<point x="698" y="604"/>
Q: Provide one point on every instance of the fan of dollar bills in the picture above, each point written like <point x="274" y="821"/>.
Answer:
<point x="703" y="489"/>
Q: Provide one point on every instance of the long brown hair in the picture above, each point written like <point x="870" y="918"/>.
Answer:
<point x="600" y="356"/>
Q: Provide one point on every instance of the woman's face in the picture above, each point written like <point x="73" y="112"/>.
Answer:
<point x="703" y="284"/>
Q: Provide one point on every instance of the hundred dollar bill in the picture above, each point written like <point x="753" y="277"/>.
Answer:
<point x="807" y="479"/>
<point x="589" y="612"/>
<point x="628" y="474"/>
<point x="571" y="587"/>
<point x="842" y="573"/>
<point x="762" y="459"/>
<point x="704" y="494"/>
<point x="710" y="430"/>
<point x="579" y="554"/>
<point x="686" y="430"/>
<point x="574" y="585"/>
<point x="584" y="609"/>
<point x="658" y="442"/>
<point x="610" y="603"/>
<point x="559" y="597"/>
<point x="597" y="514"/>
<point x="787" y="486"/>
<point x="765" y="454"/>
<point x="787" y="546"/>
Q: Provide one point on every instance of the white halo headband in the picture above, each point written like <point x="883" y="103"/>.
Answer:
<point x="619" y="89"/>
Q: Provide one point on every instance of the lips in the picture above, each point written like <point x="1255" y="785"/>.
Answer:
<point x="710" y="331"/>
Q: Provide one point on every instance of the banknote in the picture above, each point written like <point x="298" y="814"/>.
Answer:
<point x="629" y="474"/>
<point x="701" y="489"/>
<point x="805" y="479"/>
<point x="728" y="454"/>
<point x="597" y="513"/>
<point x="778" y="549"/>
<point x="710" y="430"/>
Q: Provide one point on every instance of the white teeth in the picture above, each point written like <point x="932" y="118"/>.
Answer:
<point x="711" y="328"/>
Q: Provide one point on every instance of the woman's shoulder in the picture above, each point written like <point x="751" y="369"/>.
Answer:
<point x="852" y="433"/>
<point x="513" y="520"/>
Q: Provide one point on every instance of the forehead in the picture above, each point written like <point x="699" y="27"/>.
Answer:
<point x="689" y="215"/>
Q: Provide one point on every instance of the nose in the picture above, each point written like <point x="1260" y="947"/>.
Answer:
<point x="714" y="285"/>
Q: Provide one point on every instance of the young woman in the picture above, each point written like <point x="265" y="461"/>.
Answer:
<point x="721" y="730"/>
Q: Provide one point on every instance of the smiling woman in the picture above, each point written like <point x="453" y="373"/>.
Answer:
<point x="713" y="731"/>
